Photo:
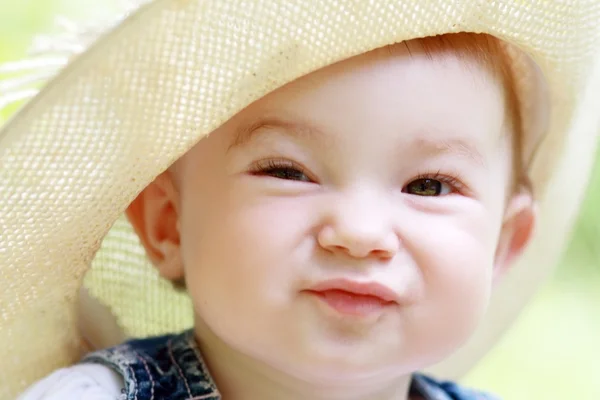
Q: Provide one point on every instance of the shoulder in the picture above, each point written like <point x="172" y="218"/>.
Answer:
<point x="435" y="389"/>
<point x="161" y="367"/>
<point x="80" y="382"/>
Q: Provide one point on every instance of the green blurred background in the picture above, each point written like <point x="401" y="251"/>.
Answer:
<point x="553" y="350"/>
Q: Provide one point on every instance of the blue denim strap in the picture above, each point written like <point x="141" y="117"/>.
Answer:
<point x="432" y="389"/>
<point x="161" y="368"/>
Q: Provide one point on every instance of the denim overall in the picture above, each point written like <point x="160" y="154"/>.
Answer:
<point x="171" y="368"/>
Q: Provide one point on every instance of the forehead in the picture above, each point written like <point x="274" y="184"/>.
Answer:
<point x="430" y="96"/>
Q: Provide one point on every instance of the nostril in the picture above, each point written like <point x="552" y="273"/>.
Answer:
<point x="339" y="248"/>
<point x="381" y="254"/>
<point x="358" y="244"/>
<point x="360" y="253"/>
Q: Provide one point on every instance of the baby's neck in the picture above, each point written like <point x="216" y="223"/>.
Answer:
<point x="238" y="377"/>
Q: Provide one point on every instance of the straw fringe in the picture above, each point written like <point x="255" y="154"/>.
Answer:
<point x="21" y="80"/>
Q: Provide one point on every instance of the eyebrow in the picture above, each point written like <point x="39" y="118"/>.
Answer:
<point x="454" y="146"/>
<point x="246" y="132"/>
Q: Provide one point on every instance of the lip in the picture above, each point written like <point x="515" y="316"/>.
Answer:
<point x="370" y="289"/>
<point x="356" y="299"/>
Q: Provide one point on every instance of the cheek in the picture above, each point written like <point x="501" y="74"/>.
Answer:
<point x="241" y="254"/>
<point x="457" y="266"/>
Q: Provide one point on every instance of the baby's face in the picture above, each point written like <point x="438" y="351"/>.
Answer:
<point x="387" y="174"/>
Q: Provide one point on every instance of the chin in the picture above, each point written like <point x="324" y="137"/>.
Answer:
<point x="344" y="375"/>
<point x="323" y="371"/>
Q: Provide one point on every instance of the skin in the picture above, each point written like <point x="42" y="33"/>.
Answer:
<point x="390" y="167"/>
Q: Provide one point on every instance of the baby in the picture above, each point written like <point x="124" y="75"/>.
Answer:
<point x="336" y="236"/>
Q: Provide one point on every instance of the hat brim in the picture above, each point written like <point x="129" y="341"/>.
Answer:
<point x="120" y="114"/>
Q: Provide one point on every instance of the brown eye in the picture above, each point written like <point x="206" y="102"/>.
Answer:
<point x="427" y="187"/>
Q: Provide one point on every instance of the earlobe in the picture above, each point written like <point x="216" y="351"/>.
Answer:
<point x="517" y="231"/>
<point x="154" y="215"/>
<point x="169" y="265"/>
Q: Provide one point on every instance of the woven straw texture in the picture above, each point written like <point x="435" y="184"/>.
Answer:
<point x="148" y="90"/>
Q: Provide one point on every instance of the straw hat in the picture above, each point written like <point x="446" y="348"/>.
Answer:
<point x="156" y="82"/>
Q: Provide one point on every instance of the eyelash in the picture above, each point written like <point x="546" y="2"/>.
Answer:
<point x="452" y="179"/>
<point x="263" y="167"/>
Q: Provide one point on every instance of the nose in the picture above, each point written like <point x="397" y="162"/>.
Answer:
<point x="360" y="226"/>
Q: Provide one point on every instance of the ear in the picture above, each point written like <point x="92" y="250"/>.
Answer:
<point x="517" y="230"/>
<point x="154" y="215"/>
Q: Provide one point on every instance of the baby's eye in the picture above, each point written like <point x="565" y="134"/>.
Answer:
<point x="286" y="173"/>
<point x="280" y="169"/>
<point x="428" y="187"/>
